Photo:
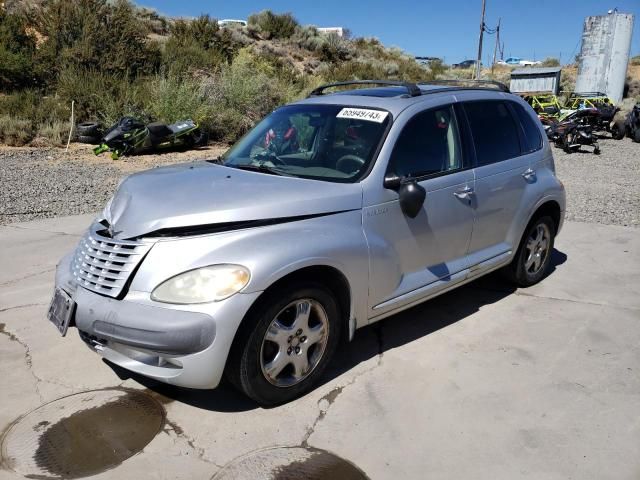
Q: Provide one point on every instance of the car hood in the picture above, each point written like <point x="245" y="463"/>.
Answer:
<point x="206" y="195"/>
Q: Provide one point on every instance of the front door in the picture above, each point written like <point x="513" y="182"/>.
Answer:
<point x="412" y="258"/>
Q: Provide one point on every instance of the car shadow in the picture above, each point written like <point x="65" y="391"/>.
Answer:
<point x="369" y="342"/>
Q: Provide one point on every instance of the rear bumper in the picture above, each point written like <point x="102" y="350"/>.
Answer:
<point x="184" y="345"/>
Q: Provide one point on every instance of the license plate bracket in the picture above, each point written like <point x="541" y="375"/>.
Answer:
<point x="61" y="310"/>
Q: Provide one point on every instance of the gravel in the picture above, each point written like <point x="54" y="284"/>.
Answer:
<point x="42" y="183"/>
<point x="602" y="188"/>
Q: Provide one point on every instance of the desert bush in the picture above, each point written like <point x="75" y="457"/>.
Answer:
<point x="15" y="132"/>
<point x="175" y="98"/>
<point x="550" y="62"/>
<point x="55" y="132"/>
<point x="635" y="60"/>
<point x="32" y="105"/>
<point x="95" y="34"/>
<point x="100" y="96"/>
<point x="272" y="25"/>
<point x="17" y="48"/>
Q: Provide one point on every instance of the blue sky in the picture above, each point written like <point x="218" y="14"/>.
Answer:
<point x="448" y="29"/>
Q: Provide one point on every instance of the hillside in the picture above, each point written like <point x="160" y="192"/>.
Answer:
<point x="112" y="58"/>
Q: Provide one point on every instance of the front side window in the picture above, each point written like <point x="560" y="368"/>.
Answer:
<point x="429" y="144"/>
<point x="323" y="142"/>
<point x="494" y="131"/>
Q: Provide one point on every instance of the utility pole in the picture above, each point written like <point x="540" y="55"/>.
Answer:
<point x="480" y="41"/>
<point x="495" y="49"/>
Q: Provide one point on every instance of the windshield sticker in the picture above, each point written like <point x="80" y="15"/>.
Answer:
<point x="363" y="114"/>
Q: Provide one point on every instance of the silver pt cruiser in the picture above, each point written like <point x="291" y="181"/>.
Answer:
<point x="332" y="213"/>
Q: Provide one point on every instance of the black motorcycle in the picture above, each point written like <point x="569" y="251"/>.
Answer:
<point x="130" y="136"/>
<point x="575" y="131"/>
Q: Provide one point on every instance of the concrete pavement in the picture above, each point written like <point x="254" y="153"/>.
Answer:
<point x="483" y="382"/>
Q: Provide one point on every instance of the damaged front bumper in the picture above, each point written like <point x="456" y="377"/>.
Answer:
<point x="183" y="345"/>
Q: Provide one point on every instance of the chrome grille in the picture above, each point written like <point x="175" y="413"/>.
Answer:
<point x="103" y="265"/>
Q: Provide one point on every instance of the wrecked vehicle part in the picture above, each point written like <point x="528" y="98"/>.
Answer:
<point x="130" y="136"/>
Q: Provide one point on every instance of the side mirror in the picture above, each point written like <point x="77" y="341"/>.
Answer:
<point x="412" y="198"/>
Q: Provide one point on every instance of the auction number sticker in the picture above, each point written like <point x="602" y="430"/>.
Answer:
<point x="363" y="114"/>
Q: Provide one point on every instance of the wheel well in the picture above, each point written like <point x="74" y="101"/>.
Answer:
<point x="551" y="209"/>
<point x="328" y="276"/>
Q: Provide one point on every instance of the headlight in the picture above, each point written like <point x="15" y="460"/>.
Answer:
<point x="202" y="285"/>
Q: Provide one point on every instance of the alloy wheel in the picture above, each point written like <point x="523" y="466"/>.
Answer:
<point x="537" y="246"/>
<point x="294" y="343"/>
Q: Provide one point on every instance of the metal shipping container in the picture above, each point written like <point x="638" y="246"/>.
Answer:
<point x="604" y="56"/>
<point x="528" y="80"/>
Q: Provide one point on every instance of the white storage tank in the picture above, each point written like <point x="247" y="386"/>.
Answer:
<point x="604" y="56"/>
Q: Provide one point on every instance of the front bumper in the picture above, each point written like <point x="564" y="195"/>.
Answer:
<point x="184" y="345"/>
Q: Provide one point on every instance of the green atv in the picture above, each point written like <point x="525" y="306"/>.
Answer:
<point x="545" y="104"/>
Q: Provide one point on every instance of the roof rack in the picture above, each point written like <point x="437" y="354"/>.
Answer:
<point x="412" y="88"/>
<point x="462" y="82"/>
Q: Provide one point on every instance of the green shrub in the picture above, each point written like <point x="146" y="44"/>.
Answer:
<point x="271" y="25"/>
<point x="16" y="53"/>
<point x="102" y="96"/>
<point x="55" y="132"/>
<point x="635" y="60"/>
<point x="15" y="132"/>
<point x="550" y="62"/>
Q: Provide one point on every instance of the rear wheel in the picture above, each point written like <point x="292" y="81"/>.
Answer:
<point x="285" y="344"/>
<point x="618" y="129"/>
<point x="533" y="257"/>
<point x="636" y="135"/>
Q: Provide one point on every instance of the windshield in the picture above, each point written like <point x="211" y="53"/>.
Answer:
<point x="323" y="142"/>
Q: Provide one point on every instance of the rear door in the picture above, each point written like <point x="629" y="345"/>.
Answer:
<point x="503" y="173"/>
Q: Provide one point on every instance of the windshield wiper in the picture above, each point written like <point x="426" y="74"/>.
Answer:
<point x="259" y="168"/>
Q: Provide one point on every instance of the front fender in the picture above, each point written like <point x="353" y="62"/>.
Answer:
<point x="270" y="253"/>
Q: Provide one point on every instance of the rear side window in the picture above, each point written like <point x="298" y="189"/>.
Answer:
<point x="428" y="145"/>
<point x="531" y="132"/>
<point x="494" y="131"/>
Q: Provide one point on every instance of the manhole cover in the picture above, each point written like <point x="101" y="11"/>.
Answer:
<point x="290" y="463"/>
<point x="81" y="434"/>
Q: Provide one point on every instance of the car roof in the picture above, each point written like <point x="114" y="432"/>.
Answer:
<point x="393" y="98"/>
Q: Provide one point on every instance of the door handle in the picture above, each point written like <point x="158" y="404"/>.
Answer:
<point x="529" y="175"/>
<point x="466" y="192"/>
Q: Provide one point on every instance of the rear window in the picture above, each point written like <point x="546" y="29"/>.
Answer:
<point x="495" y="135"/>
<point x="531" y="132"/>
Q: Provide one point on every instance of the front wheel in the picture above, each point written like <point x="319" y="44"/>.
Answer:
<point x="284" y="345"/>
<point x="533" y="257"/>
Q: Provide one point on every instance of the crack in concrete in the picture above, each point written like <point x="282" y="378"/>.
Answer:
<point x="16" y="307"/>
<point x="522" y="293"/>
<point x="27" y="357"/>
<point x="325" y="402"/>
<point x="42" y="231"/>
<point x="16" y="280"/>
<point x="172" y="426"/>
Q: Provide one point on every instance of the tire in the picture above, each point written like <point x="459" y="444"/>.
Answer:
<point x="88" y="129"/>
<point x="618" y="130"/>
<point x="253" y="354"/>
<point x="92" y="140"/>
<point x="636" y="135"/>
<point x="520" y="270"/>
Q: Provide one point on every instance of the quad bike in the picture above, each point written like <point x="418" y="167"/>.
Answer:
<point x="546" y="105"/>
<point x="594" y="100"/>
<point x="574" y="131"/>
<point x="629" y="125"/>
<point x="130" y="136"/>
